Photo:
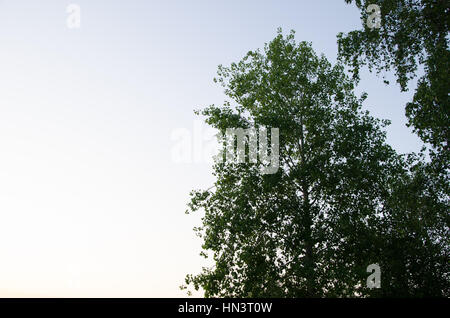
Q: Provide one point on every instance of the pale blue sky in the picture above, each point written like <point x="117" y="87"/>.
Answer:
<point x="91" y="203"/>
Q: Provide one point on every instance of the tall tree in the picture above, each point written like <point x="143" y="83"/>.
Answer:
<point x="414" y="244"/>
<point x="412" y="33"/>
<point x="312" y="228"/>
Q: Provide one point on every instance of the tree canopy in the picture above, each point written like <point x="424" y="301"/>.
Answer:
<point x="337" y="203"/>
<point x="413" y="35"/>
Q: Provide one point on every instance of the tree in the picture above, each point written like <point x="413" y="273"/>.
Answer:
<point x="412" y="33"/>
<point x="413" y="237"/>
<point x="312" y="228"/>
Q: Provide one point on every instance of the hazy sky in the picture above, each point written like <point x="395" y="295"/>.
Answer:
<point x="91" y="202"/>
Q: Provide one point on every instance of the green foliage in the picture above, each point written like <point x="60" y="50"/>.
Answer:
<point x="334" y="206"/>
<point x="415" y="232"/>
<point x="413" y="33"/>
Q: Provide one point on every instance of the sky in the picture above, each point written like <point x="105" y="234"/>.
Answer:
<point x="92" y="200"/>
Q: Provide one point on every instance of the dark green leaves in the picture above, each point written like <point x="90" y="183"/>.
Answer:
<point x="413" y="34"/>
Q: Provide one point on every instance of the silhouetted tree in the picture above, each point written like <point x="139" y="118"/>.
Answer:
<point x="341" y="200"/>
<point x="412" y="33"/>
